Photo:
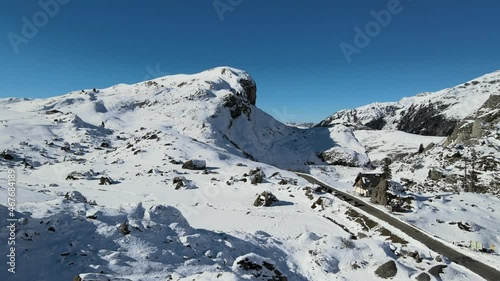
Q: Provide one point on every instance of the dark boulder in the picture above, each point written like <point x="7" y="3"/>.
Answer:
<point x="387" y="270"/>
<point x="257" y="176"/>
<point x="7" y="155"/>
<point x="437" y="270"/>
<point x="195" y="165"/>
<point x="266" y="199"/>
<point x="105" y="181"/>
<point x="423" y="277"/>
<point x="75" y="176"/>
<point x="179" y="182"/>
<point x="105" y="144"/>
<point x="53" y="111"/>
<point x="124" y="228"/>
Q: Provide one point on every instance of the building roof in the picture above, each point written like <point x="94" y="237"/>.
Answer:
<point x="369" y="180"/>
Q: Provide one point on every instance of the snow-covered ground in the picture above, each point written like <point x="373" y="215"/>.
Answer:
<point x="380" y="144"/>
<point x="457" y="219"/>
<point x="158" y="221"/>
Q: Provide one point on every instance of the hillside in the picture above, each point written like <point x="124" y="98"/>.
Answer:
<point x="433" y="114"/>
<point x="157" y="180"/>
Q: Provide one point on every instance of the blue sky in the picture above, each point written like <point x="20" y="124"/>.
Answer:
<point x="291" y="48"/>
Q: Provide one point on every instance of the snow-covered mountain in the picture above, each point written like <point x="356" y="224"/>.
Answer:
<point x="216" y="106"/>
<point x="447" y="140"/>
<point x="155" y="181"/>
<point x="434" y="114"/>
<point x="179" y="178"/>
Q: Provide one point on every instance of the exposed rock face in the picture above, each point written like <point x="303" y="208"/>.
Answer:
<point x="387" y="270"/>
<point x="426" y="120"/>
<point x="481" y="124"/>
<point x="250" y="90"/>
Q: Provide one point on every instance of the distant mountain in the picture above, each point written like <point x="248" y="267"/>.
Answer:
<point x="433" y="114"/>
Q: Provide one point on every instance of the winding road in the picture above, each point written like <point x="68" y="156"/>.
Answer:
<point x="475" y="266"/>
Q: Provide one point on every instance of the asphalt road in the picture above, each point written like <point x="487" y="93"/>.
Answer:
<point x="475" y="266"/>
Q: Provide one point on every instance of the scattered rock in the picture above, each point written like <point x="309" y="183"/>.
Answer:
<point x="319" y="203"/>
<point x="51" y="229"/>
<point x="7" y="155"/>
<point x="53" y="111"/>
<point x="257" y="176"/>
<point x="355" y="265"/>
<point x="265" y="199"/>
<point x="195" y="165"/>
<point x="284" y="181"/>
<point x="387" y="270"/>
<point x="105" y="181"/>
<point x="75" y="176"/>
<point x="309" y="193"/>
<point x="437" y="270"/>
<point x="182" y="182"/>
<point x="423" y="277"/>
<point x="416" y="256"/>
<point x="261" y="268"/>
<point x="124" y="228"/>
<point x="105" y="144"/>
<point x="435" y="175"/>
<point x="464" y="226"/>
<point x="176" y="162"/>
<point x="75" y="196"/>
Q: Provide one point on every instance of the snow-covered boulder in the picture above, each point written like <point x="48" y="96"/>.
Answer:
<point x="266" y="199"/>
<point x="195" y="165"/>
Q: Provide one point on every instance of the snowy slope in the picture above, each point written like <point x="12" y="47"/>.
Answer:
<point x="147" y="226"/>
<point x="215" y="106"/>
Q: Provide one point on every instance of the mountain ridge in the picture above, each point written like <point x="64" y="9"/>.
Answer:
<point x="433" y="114"/>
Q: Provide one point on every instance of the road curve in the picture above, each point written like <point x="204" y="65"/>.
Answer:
<point x="475" y="266"/>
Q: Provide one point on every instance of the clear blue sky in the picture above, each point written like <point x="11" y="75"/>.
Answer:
<point x="291" y="48"/>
